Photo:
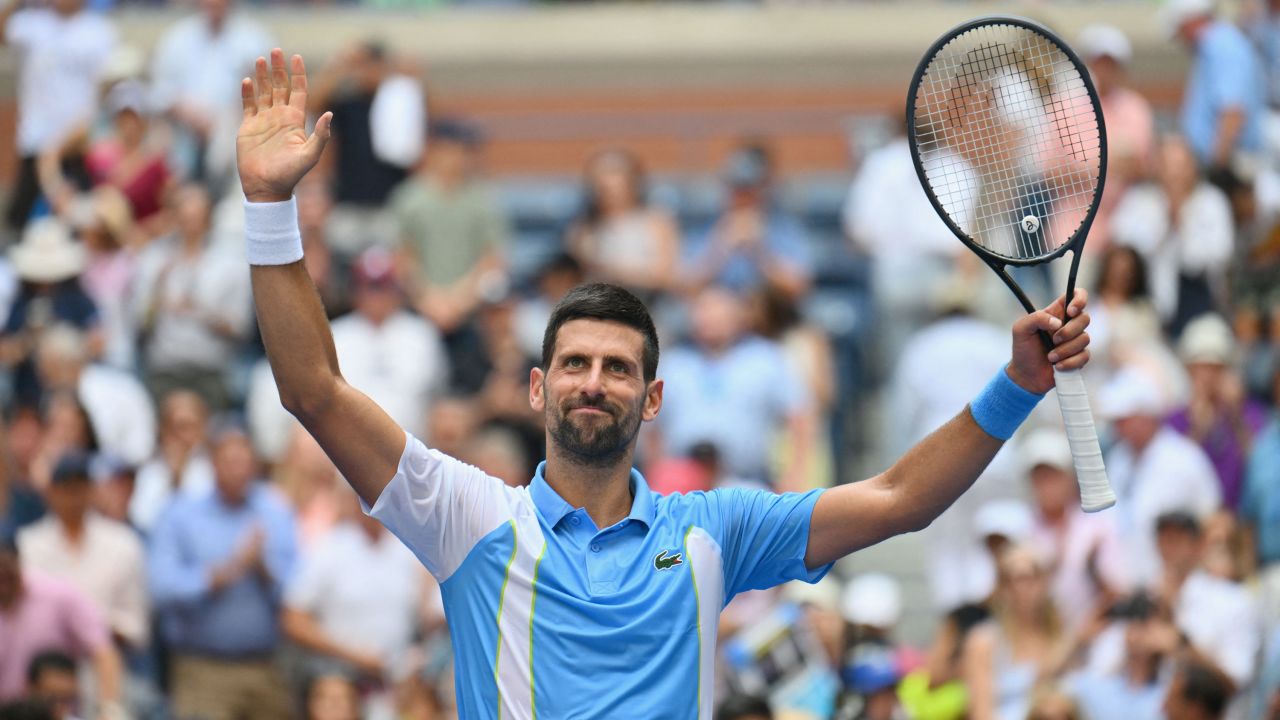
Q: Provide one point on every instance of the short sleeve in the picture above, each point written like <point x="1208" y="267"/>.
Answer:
<point x="19" y="29"/>
<point x="790" y="396"/>
<point x="441" y="507"/>
<point x="764" y="538"/>
<point x="1230" y="87"/>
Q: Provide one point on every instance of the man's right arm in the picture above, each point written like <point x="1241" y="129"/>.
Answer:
<point x="273" y="153"/>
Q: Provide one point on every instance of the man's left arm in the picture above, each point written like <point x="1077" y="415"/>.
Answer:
<point x="931" y="475"/>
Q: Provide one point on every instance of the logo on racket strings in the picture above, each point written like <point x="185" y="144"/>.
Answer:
<point x="1030" y="224"/>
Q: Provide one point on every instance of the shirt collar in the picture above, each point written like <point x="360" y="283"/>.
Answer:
<point x="553" y="507"/>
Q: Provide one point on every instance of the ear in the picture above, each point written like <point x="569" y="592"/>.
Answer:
<point x="537" y="400"/>
<point x="652" y="401"/>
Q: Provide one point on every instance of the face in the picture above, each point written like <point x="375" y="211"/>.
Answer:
<point x="593" y="394"/>
<point x="192" y="212"/>
<point x="67" y="7"/>
<point x="1137" y="430"/>
<point x="1179" y="549"/>
<point x="69" y="501"/>
<point x="611" y="179"/>
<point x="1178" y="169"/>
<point x="111" y="498"/>
<point x="1120" y="276"/>
<point x="215" y="11"/>
<point x="1206" y="378"/>
<point x="66" y="425"/>
<point x="1106" y="72"/>
<point x="377" y="301"/>
<point x="234" y="468"/>
<point x="333" y="698"/>
<point x="184" y="418"/>
<point x="1054" y="488"/>
<point x="60" y="690"/>
<point x="1055" y="707"/>
<point x="131" y="127"/>
<point x="718" y="319"/>
<point x="1024" y="582"/>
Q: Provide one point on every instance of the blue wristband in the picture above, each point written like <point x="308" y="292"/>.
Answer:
<point x="1002" y="406"/>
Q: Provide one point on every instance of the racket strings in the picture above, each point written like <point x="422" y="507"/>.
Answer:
<point x="1009" y="139"/>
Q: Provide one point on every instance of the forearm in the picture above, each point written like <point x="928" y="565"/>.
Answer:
<point x="107" y="670"/>
<point x="303" y="629"/>
<point x="1230" y="124"/>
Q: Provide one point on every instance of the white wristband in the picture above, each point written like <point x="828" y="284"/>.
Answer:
<point x="271" y="230"/>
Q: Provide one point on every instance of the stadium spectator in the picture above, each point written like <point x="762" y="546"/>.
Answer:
<point x="1125" y="328"/>
<point x="1197" y="692"/>
<point x="358" y="599"/>
<point x="1053" y="704"/>
<point x="1152" y="467"/>
<point x="313" y="487"/>
<point x="315" y="204"/>
<point x="389" y="354"/>
<point x="889" y="218"/>
<point x="103" y="559"/>
<point x="452" y="229"/>
<point x="196" y="72"/>
<point x="754" y="242"/>
<point x="113" y="487"/>
<point x="49" y="262"/>
<point x="553" y="281"/>
<point x="193" y="306"/>
<point x="181" y="463"/>
<point x="1217" y="618"/>
<point x="1225" y="90"/>
<point x="349" y="86"/>
<point x="119" y="408"/>
<point x="1135" y="687"/>
<point x="64" y="48"/>
<point x="736" y="390"/>
<point x="218" y="566"/>
<point x="1260" y="506"/>
<point x="1183" y="227"/>
<point x="1219" y="416"/>
<point x="967" y="351"/>
<point x="621" y="237"/>
<point x="1082" y="549"/>
<point x="1129" y="119"/>
<point x="40" y="614"/>
<point x="936" y="690"/>
<point x="105" y="225"/>
<point x="500" y="453"/>
<point x="1024" y="643"/>
<point x="66" y="429"/>
<point x="494" y="370"/>
<point x="777" y="317"/>
<point x="51" y="679"/>
<point x="21" y="502"/>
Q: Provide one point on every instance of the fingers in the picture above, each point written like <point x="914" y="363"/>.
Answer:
<point x="279" y="78"/>
<point x="247" y="98"/>
<point x="319" y="136"/>
<point x="263" y="83"/>
<point x="1069" y="349"/>
<point x="1040" y="321"/>
<point x="298" y="86"/>
<point x="1078" y="301"/>
<point x="1075" y="362"/>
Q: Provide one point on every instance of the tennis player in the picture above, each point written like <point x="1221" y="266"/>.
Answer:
<point x="584" y="595"/>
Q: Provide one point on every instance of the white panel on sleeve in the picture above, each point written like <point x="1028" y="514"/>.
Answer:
<point x="441" y="507"/>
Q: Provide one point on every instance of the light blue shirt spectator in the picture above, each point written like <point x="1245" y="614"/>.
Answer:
<point x="1261" y="503"/>
<point x="783" y="239"/>
<point x="736" y="400"/>
<point x="1226" y="73"/>
<point x="193" y="538"/>
<point x="1112" y="697"/>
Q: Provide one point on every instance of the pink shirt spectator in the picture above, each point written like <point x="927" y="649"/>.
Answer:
<point x="1068" y="548"/>
<point x="1131" y="140"/>
<point x="50" y="615"/>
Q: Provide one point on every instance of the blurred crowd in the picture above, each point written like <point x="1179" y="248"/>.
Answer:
<point x="174" y="545"/>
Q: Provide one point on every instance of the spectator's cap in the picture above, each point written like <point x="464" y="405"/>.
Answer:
<point x="105" y="466"/>
<point x="1045" y="446"/>
<point x="1176" y="12"/>
<point x="872" y="599"/>
<point x="824" y="594"/>
<point x="71" y="468"/>
<point x="375" y="267"/>
<point x="1099" y="40"/>
<point x="746" y="168"/>
<point x="1006" y="518"/>
<point x="125" y="61"/>
<point x="47" y="253"/>
<point x="1130" y="393"/>
<point x="1178" y="520"/>
<point x="1207" y="339"/>
<point x="128" y="95"/>
<point x="870" y="668"/>
<point x="106" y="207"/>
<point x="456" y="131"/>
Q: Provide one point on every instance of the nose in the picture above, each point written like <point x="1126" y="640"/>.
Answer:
<point x="593" y="383"/>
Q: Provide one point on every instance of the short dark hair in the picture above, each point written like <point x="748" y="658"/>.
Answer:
<point x="602" y="301"/>
<point x="1205" y="687"/>
<point x="741" y="706"/>
<point x="49" y="660"/>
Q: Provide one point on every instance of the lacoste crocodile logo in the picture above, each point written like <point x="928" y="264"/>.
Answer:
<point x="662" y="561"/>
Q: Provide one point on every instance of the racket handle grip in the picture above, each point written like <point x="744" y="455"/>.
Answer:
<point x="1091" y="474"/>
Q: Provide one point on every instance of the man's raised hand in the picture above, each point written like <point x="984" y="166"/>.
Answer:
<point x="273" y="151"/>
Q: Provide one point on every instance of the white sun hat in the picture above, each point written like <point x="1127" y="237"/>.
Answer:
<point x="47" y="253"/>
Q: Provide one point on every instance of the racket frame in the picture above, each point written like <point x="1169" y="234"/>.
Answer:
<point x="999" y="263"/>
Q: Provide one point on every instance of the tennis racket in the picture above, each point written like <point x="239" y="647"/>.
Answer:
<point x="1007" y="137"/>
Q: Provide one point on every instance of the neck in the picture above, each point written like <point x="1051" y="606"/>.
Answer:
<point x="73" y="527"/>
<point x="604" y="491"/>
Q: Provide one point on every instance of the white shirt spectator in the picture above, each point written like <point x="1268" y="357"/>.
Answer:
<point x="966" y="352"/>
<point x="1172" y="473"/>
<point x="154" y="487"/>
<point x="270" y="425"/>
<point x="1074" y="592"/>
<point x="400" y="364"/>
<point x="1200" y="243"/>
<point x="887" y="212"/>
<point x="1220" y="619"/>
<point x="365" y="593"/>
<point x="121" y="412"/>
<point x="62" y="61"/>
<point x="107" y="565"/>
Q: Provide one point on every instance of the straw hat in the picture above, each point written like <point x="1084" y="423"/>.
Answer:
<point x="47" y="253"/>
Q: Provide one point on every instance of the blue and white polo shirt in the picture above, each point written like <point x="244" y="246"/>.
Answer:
<point x="551" y="616"/>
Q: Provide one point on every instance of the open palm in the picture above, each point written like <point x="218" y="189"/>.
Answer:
<point x="273" y="151"/>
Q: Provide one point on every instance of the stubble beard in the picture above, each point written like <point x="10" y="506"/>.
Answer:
<point x="600" y="444"/>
